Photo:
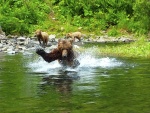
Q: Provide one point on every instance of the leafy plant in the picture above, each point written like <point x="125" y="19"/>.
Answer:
<point x="95" y="15"/>
<point x="18" y="16"/>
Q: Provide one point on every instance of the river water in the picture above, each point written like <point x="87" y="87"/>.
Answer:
<point x="100" y="85"/>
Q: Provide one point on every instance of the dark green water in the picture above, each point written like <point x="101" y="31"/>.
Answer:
<point x="108" y="85"/>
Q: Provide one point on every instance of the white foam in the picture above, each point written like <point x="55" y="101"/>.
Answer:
<point x="40" y="65"/>
<point x="87" y="60"/>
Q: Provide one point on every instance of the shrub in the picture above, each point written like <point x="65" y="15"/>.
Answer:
<point x="18" y="16"/>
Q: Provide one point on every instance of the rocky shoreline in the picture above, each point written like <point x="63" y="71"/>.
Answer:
<point x="19" y="44"/>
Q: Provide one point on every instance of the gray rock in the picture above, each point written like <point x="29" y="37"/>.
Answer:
<point x="4" y="48"/>
<point x="21" y="39"/>
<point x="21" y="43"/>
<point x="52" y="38"/>
<point x="9" y="49"/>
<point x="1" y="45"/>
<point x="2" y="36"/>
<point x="22" y="48"/>
<point x="27" y="41"/>
<point x="11" y="52"/>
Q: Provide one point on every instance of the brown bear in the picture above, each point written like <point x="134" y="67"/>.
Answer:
<point x="74" y="35"/>
<point x="42" y="36"/>
<point x="64" y="53"/>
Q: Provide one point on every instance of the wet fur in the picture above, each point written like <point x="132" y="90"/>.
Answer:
<point x="64" y="53"/>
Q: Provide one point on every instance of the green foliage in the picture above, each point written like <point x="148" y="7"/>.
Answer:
<point x="113" y="32"/>
<point x="138" y="49"/>
<point x="20" y="16"/>
<point x="141" y="16"/>
<point x="131" y="15"/>
<point x="24" y="16"/>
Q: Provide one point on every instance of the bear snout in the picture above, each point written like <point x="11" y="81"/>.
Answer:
<point x="64" y="53"/>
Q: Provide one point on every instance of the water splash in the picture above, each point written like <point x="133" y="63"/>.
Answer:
<point x="90" y="60"/>
<point x="91" y="65"/>
<point x="87" y="60"/>
<point x="40" y="65"/>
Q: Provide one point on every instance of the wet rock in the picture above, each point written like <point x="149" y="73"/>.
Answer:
<point x="4" y="48"/>
<point x="24" y="41"/>
<point x="27" y="41"/>
<point x="1" y="45"/>
<point x="21" y="47"/>
<point x="10" y="47"/>
<point x="16" y="50"/>
<point x="11" y="52"/>
<point x="21" y="43"/>
<point x="52" y="38"/>
<point x="21" y="39"/>
<point x="2" y="36"/>
<point x="101" y="39"/>
<point x="3" y="40"/>
<point x="12" y="36"/>
<point x="125" y="39"/>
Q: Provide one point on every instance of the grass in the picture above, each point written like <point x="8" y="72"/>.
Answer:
<point x="134" y="50"/>
<point x="137" y="49"/>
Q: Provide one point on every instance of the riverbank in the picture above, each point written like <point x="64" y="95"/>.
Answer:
<point x="128" y="47"/>
<point x="137" y="49"/>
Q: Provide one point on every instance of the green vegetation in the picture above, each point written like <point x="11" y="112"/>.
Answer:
<point x="116" y="17"/>
<point x="139" y="49"/>
<point x="24" y="16"/>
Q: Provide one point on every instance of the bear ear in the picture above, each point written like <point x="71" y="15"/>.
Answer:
<point x="38" y="31"/>
<point x="70" y="33"/>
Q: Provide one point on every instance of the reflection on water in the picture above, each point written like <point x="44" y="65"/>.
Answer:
<point x="63" y="84"/>
<point x="29" y="84"/>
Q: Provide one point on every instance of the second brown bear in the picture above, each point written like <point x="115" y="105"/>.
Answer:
<point x="42" y="36"/>
<point x="74" y="35"/>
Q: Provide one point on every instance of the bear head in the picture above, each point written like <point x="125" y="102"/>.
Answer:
<point x="38" y="32"/>
<point x="65" y="47"/>
<point x="68" y="35"/>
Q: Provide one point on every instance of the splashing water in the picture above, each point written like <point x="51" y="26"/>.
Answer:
<point x="40" y="65"/>
<point x="86" y="59"/>
<point x="92" y="62"/>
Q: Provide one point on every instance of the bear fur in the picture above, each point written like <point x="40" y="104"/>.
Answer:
<point x="64" y="53"/>
<point x="74" y="35"/>
<point x="42" y="36"/>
